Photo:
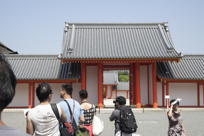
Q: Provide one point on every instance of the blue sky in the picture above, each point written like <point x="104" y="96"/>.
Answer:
<point x="36" y="26"/>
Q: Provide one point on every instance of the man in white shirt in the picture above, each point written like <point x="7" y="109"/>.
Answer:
<point x="41" y="120"/>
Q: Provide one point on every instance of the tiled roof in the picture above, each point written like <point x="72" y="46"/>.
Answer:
<point x="42" y="67"/>
<point x="6" y="50"/>
<point x="108" y="41"/>
<point x="190" y="67"/>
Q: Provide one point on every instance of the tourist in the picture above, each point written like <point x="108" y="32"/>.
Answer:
<point x="7" y="92"/>
<point x="175" y="120"/>
<point x="41" y="120"/>
<point x="125" y="123"/>
<point x="66" y="95"/>
<point x="89" y="111"/>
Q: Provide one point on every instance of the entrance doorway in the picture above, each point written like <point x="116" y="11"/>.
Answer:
<point x="115" y="83"/>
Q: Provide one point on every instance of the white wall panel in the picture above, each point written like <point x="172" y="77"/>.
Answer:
<point x="110" y="77"/>
<point x="21" y="96"/>
<point x="201" y="95"/>
<point x="92" y="84"/>
<point x="123" y="86"/>
<point x="186" y="91"/>
<point x="159" y="93"/>
<point x="76" y="89"/>
<point x="143" y="85"/>
<point x="56" y="92"/>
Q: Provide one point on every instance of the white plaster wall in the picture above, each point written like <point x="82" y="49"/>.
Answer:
<point x="21" y="96"/>
<point x="143" y="85"/>
<point x="186" y="91"/>
<point x="92" y="84"/>
<point x="159" y="93"/>
<point x="76" y="89"/>
<point x="56" y="92"/>
<point x="110" y="77"/>
<point x="123" y="86"/>
<point x="201" y="95"/>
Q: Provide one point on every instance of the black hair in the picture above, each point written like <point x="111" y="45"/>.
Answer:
<point x="173" y="100"/>
<point x="121" y="100"/>
<point x="68" y="88"/>
<point x="7" y="83"/>
<point x="43" y="91"/>
<point x="83" y="94"/>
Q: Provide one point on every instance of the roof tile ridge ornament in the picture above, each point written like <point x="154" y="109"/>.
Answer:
<point x="64" y="41"/>
<point x="66" y="27"/>
<point x="70" y="49"/>
<point x="166" y="27"/>
<point x="169" y="47"/>
<point x="59" y="56"/>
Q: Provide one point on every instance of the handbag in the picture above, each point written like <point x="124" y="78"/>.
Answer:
<point x="78" y="130"/>
<point x="65" y="128"/>
<point x="82" y="131"/>
<point x="98" y="126"/>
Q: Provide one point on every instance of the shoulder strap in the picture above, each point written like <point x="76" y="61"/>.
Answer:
<point x="71" y="114"/>
<point x="94" y="108"/>
<point x="74" y="122"/>
<point x="55" y="110"/>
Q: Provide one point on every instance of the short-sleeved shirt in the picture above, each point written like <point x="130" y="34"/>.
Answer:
<point x="175" y="124"/>
<point x="8" y="131"/>
<point x="44" y="120"/>
<point x="75" y="107"/>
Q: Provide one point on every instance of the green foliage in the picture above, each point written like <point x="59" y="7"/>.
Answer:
<point x="123" y="76"/>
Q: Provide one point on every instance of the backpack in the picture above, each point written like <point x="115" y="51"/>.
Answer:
<point x="127" y="120"/>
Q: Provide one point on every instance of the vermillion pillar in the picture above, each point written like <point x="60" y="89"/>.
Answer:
<point x="154" y="85"/>
<point x="100" y="85"/>
<point x="131" y="83"/>
<point x="198" y="93"/>
<point x="167" y="93"/>
<point x="137" y="85"/>
<point x="163" y="93"/>
<point x="203" y="93"/>
<point x="83" y="76"/>
<point x="31" y="95"/>
<point x="148" y="85"/>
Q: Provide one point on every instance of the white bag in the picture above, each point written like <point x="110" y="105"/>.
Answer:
<point x="97" y="126"/>
<point x="118" y="133"/>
